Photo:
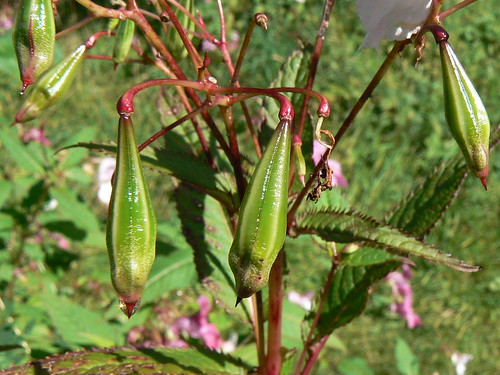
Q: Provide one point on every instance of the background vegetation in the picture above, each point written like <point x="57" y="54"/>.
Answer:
<point x="50" y="295"/>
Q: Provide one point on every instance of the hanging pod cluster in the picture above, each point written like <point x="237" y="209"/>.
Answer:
<point x="465" y="112"/>
<point x="131" y="226"/>
<point x="51" y="86"/>
<point x="263" y="216"/>
<point x="34" y="39"/>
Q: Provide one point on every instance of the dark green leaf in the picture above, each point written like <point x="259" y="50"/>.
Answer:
<point x="348" y="295"/>
<point x="347" y="227"/>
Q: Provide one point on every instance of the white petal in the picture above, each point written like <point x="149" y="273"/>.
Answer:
<point x="391" y="19"/>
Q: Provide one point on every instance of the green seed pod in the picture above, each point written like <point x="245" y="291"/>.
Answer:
<point x="51" y="87"/>
<point x="123" y="41"/>
<point x="34" y="39"/>
<point x="131" y="226"/>
<point x="465" y="113"/>
<point x="263" y="216"/>
<point x="112" y="24"/>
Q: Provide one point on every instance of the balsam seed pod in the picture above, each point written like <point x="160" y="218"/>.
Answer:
<point x="263" y="216"/>
<point x="34" y="39"/>
<point x="465" y="113"/>
<point x="123" y="41"/>
<point x="131" y="226"/>
<point x="51" y="87"/>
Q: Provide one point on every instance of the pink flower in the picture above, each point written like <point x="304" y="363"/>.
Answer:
<point x="36" y="135"/>
<point x="303" y="300"/>
<point x="338" y="178"/>
<point x="197" y="325"/>
<point x="403" y="296"/>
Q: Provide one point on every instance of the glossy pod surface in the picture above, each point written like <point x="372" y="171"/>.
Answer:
<point x="123" y="41"/>
<point x="34" y="38"/>
<point x="131" y="226"/>
<point x="51" y="87"/>
<point x="465" y="113"/>
<point x="262" y="220"/>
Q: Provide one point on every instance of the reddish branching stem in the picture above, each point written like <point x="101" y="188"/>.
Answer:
<point x="90" y="42"/>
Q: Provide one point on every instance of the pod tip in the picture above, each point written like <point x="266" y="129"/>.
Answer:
<point x="129" y="308"/>
<point x="238" y="300"/>
<point x="483" y="181"/>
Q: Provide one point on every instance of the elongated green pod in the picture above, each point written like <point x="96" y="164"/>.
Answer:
<point x="51" y="87"/>
<point x="123" y="41"/>
<point x="34" y="39"/>
<point x="299" y="159"/>
<point x="131" y="226"/>
<point x="465" y="113"/>
<point x="262" y="219"/>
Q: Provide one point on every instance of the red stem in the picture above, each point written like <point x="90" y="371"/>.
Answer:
<point x="273" y="362"/>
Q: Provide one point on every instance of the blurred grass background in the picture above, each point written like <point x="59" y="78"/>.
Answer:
<point x="395" y="141"/>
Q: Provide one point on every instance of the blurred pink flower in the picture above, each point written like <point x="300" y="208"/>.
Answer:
<point x="104" y="173"/>
<point x="338" y="178"/>
<point x="391" y="19"/>
<point x="36" y="135"/>
<point x="197" y="325"/>
<point x="403" y="296"/>
<point x="303" y="300"/>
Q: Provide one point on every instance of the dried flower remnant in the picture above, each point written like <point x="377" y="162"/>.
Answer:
<point x="338" y="178"/>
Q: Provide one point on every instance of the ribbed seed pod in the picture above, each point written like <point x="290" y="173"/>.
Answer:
<point x="131" y="226"/>
<point x="465" y="113"/>
<point x="263" y="216"/>
<point x="123" y="41"/>
<point x="34" y="39"/>
<point x="51" y="87"/>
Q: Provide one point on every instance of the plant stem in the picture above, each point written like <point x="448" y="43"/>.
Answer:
<point x="310" y="336"/>
<point x="227" y="115"/>
<point x="76" y="26"/>
<point x="316" y="349"/>
<point x="258" y="327"/>
<point x="398" y="47"/>
<point x="273" y="362"/>
<point x="320" y="38"/>
<point x="193" y="53"/>
<point x="455" y="8"/>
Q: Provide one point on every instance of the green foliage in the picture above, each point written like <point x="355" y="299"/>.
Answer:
<point x="145" y="361"/>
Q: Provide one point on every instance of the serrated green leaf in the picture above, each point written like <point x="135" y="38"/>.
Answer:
<point x="188" y="168"/>
<point x="347" y="227"/>
<point x="427" y="204"/>
<point x="206" y="229"/>
<point x="19" y="153"/>
<point x="130" y="361"/>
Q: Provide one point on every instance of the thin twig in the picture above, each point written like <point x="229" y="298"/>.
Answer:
<point x="455" y="8"/>
<point x="76" y="26"/>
